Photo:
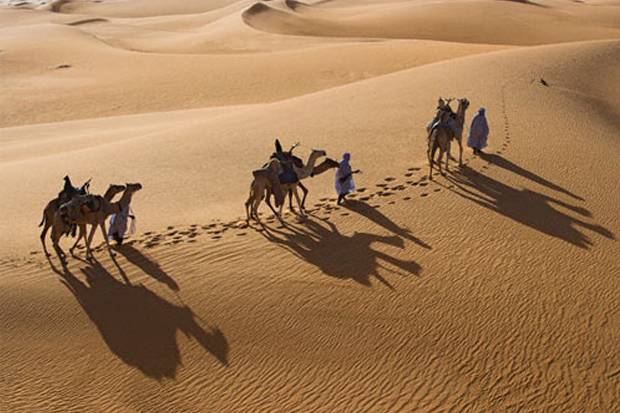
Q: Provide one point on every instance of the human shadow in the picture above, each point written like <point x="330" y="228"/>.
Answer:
<point x="147" y="265"/>
<point x="527" y="207"/>
<point x="139" y="326"/>
<point x="378" y="218"/>
<point x="341" y="256"/>
<point x="508" y="165"/>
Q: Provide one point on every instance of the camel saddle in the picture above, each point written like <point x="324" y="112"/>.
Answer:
<point x="71" y="211"/>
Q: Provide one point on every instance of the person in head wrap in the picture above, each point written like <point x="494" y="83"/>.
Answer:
<point x="344" y="178"/>
<point x="478" y="132"/>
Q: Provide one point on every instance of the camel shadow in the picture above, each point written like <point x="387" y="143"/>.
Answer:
<point x="147" y="265"/>
<point x="378" y="218"/>
<point x="342" y="256"/>
<point x="504" y="163"/>
<point x="527" y="207"/>
<point x="139" y="326"/>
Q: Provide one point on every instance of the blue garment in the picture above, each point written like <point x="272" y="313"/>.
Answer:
<point x="288" y="177"/>
<point x="478" y="132"/>
<point x="344" y="170"/>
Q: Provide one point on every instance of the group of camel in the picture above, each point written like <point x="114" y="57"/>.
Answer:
<point x="267" y="181"/>
<point x="446" y="126"/>
<point x="65" y="216"/>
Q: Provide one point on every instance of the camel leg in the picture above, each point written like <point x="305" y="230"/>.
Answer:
<point x="46" y="227"/>
<point x="305" y="191"/>
<point x="248" y="205"/>
<point x="268" y="200"/>
<point x="89" y="252"/>
<point x="431" y="158"/>
<point x="56" y="234"/>
<point x="460" y="141"/>
<point x="290" y="200"/>
<point x="81" y="234"/>
<point x="301" y="210"/>
<point x="447" y="156"/>
<point x="439" y="159"/>
<point x="105" y="237"/>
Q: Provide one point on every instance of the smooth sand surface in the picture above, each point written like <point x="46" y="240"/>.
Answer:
<point x="492" y="289"/>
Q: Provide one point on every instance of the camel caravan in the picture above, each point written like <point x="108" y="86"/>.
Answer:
<point x="75" y="208"/>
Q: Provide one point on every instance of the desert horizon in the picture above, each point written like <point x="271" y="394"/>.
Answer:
<point x="487" y="286"/>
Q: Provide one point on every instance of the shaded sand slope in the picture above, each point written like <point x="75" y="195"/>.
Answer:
<point x="55" y="69"/>
<point x="472" y="293"/>
<point x="480" y="21"/>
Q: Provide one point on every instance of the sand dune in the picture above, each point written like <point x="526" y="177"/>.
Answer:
<point x="490" y="289"/>
<point x="482" y="21"/>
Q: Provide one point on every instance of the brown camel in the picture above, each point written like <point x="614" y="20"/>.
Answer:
<point x="291" y="189"/>
<point x="442" y="134"/>
<point x="52" y="207"/>
<point x="91" y="210"/>
<point x="263" y="180"/>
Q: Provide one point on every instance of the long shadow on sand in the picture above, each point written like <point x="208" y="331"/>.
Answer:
<point x="139" y="326"/>
<point x="147" y="265"/>
<point x="504" y="163"/>
<point x="378" y="218"/>
<point x="527" y="207"/>
<point x="342" y="256"/>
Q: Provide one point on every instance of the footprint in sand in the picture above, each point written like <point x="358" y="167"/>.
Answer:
<point x="409" y="174"/>
<point x="169" y="228"/>
<point x="407" y="198"/>
<point x="362" y="189"/>
<point x="381" y="185"/>
<point x="391" y="202"/>
<point x="216" y="237"/>
<point x="436" y="189"/>
<point x="364" y="198"/>
<point x="389" y="179"/>
<point x="424" y="194"/>
<point x="345" y="214"/>
<point x="414" y="168"/>
<point x="241" y="234"/>
<point x="423" y="183"/>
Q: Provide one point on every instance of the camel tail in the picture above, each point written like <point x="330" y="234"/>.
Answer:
<point x="42" y="220"/>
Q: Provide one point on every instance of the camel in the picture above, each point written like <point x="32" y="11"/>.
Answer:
<point x="263" y="179"/>
<point x="442" y="134"/>
<point x="81" y="212"/>
<point x="261" y="188"/>
<point x="291" y="189"/>
<point x="53" y="205"/>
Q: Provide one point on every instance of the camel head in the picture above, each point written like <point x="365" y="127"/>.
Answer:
<point x="318" y="152"/>
<point x="116" y="189"/>
<point x="133" y="187"/>
<point x="331" y="163"/>
<point x="464" y="103"/>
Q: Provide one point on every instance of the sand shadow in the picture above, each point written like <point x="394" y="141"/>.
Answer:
<point x="139" y="326"/>
<point x="504" y="163"/>
<point x="527" y="207"/>
<point x="147" y="265"/>
<point x="378" y="218"/>
<point x="341" y="256"/>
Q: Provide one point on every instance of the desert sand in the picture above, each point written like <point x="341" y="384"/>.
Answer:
<point x="491" y="289"/>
